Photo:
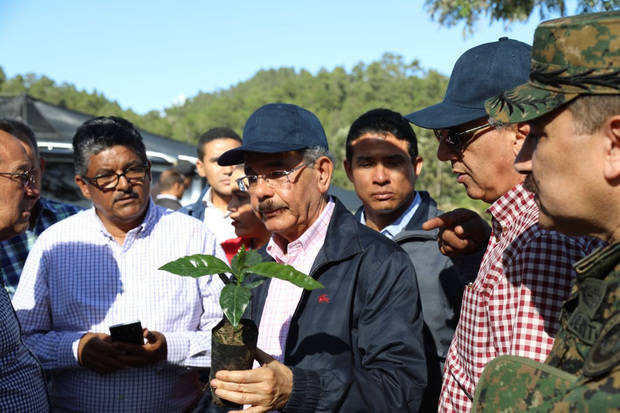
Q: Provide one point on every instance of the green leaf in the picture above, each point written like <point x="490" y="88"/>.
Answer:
<point x="254" y="284"/>
<point x="244" y="259"/>
<point x="196" y="266"/>
<point x="287" y="273"/>
<point x="234" y="299"/>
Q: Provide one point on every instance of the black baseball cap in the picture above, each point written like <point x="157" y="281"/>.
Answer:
<point x="275" y="128"/>
<point x="480" y="73"/>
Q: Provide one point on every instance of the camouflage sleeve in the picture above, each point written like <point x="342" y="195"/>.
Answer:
<point x="589" y="395"/>
<point x="511" y="383"/>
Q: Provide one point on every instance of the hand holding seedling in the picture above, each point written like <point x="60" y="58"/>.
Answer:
<point x="265" y="388"/>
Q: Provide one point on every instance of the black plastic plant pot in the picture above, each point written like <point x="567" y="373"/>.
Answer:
<point x="232" y="350"/>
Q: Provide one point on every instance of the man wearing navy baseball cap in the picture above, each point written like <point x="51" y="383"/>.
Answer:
<point x="514" y="304"/>
<point x="355" y="345"/>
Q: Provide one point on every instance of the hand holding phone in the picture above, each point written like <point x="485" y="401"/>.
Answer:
<point x="130" y="333"/>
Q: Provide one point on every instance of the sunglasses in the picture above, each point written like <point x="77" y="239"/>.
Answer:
<point x="459" y="140"/>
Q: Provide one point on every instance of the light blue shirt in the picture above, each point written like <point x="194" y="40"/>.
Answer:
<point x="397" y="226"/>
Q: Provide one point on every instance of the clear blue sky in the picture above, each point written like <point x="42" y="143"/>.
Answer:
<point x="146" y="54"/>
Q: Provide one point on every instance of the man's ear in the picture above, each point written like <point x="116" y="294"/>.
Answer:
<point x="325" y="167"/>
<point x="178" y="189"/>
<point x="521" y="132"/>
<point x="42" y="165"/>
<point x="200" y="168"/>
<point x="347" y="169"/>
<point x="418" y="162"/>
<point x="83" y="185"/>
<point x="611" y="132"/>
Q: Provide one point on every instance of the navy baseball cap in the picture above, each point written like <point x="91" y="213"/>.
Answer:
<point x="480" y="73"/>
<point x="277" y="127"/>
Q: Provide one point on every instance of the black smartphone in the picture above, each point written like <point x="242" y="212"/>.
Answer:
<point x="127" y="333"/>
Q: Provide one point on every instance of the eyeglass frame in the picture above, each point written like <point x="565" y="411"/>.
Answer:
<point x="92" y="180"/>
<point x="454" y="138"/>
<point x="28" y="178"/>
<point x="285" y="174"/>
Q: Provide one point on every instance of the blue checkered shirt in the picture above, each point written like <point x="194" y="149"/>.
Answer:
<point x="13" y="252"/>
<point x="77" y="278"/>
<point x="22" y="386"/>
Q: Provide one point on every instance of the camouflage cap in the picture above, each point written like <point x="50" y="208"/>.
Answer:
<point x="571" y="56"/>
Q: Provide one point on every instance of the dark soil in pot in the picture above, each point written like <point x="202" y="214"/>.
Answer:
<point x="232" y="350"/>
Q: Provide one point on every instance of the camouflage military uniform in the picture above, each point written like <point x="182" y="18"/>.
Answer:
<point x="571" y="57"/>
<point x="582" y="372"/>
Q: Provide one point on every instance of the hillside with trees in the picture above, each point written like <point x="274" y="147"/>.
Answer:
<point x="336" y="96"/>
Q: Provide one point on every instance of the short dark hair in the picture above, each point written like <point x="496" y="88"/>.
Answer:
<point x="101" y="133"/>
<point x="185" y="168"/>
<point x="21" y="131"/>
<point x="382" y="121"/>
<point x="169" y="178"/>
<point x="7" y="126"/>
<point x="213" y="134"/>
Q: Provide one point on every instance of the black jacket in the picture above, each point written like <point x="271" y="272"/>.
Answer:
<point x="172" y="204"/>
<point x="356" y="345"/>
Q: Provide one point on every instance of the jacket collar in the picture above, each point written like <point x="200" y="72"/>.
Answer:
<point x="426" y="210"/>
<point x="343" y="238"/>
<point x="341" y="242"/>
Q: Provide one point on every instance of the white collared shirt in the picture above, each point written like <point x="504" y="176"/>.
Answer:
<point x="219" y="223"/>
<point x="397" y="226"/>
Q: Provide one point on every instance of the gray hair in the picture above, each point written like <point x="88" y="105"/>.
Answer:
<point x="315" y="152"/>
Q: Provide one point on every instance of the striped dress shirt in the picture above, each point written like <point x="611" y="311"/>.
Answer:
<point x="283" y="296"/>
<point x="77" y="279"/>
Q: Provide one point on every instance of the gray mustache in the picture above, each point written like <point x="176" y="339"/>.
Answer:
<point x="268" y="206"/>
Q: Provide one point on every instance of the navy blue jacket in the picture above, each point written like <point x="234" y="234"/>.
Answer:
<point x="356" y="345"/>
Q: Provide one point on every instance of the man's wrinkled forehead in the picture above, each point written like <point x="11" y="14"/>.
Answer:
<point x="12" y="153"/>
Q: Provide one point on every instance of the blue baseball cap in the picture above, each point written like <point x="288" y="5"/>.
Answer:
<point x="275" y="128"/>
<point x="480" y="73"/>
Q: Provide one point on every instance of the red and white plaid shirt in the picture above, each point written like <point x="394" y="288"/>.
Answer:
<point x="283" y="296"/>
<point x="513" y="307"/>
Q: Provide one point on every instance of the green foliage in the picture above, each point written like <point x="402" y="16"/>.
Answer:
<point x="286" y="273"/>
<point x="234" y="299"/>
<point x="236" y="295"/>
<point x="452" y="12"/>
<point x="196" y="266"/>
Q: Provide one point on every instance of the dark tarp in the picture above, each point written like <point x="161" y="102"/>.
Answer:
<point x="56" y="125"/>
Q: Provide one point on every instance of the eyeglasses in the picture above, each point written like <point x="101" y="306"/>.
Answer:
<point x="134" y="175"/>
<point x="27" y="178"/>
<point x="275" y="179"/>
<point x="459" y="140"/>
